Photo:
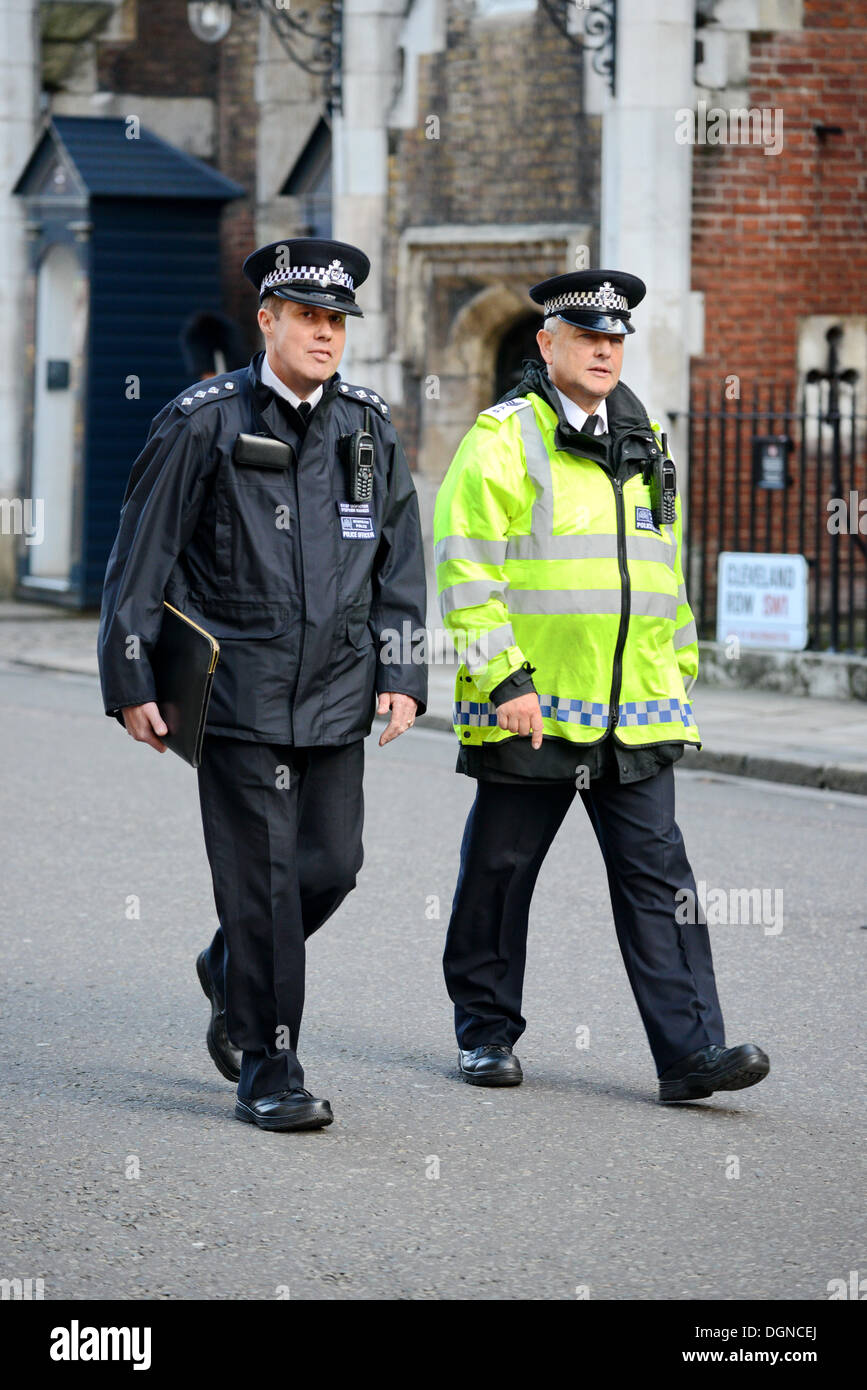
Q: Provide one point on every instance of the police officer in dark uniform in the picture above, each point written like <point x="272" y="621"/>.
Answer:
<point x="274" y="506"/>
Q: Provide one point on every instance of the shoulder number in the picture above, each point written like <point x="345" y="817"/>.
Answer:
<point x="507" y="408"/>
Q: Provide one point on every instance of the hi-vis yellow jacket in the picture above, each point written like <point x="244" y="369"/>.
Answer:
<point x="542" y="556"/>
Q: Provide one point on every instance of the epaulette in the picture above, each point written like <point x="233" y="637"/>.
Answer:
<point x="206" y="391"/>
<point x="506" y="408"/>
<point x="365" y="396"/>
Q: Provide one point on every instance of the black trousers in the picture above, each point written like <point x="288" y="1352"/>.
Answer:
<point x="509" y="831"/>
<point x="283" y="836"/>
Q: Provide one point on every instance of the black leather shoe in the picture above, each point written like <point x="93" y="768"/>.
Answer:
<point x="711" y="1069"/>
<point x="285" y="1110"/>
<point x="491" y="1065"/>
<point x="226" y="1058"/>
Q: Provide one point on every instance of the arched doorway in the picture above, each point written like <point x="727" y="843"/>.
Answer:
<point x="516" y="345"/>
<point x="61" y="310"/>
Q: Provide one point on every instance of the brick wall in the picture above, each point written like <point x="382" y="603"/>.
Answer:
<point x="514" y="145"/>
<point x="165" y="59"/>
<point x="779" y="238"/>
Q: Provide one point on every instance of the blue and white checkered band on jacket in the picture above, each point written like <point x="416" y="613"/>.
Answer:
<point x="313" y="276"/>
<point x="605" y="297"/>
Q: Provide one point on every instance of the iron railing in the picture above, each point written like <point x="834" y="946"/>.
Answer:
<point x="824" y="465"/>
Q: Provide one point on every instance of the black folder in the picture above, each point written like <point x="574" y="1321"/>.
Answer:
<point x="183" y="661"/>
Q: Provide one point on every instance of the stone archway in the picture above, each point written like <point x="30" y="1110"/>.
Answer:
<point x="460" y="289"/>
<point x="466" y="380"/>
<point x="516" y="346"/>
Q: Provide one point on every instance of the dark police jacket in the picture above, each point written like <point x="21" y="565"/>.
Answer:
<point x="303" y="600"/>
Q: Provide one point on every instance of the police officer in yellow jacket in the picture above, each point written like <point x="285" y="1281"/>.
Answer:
<point x="558" y="549"/>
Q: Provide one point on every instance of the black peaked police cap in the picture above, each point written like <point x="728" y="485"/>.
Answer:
<point x="596" y="299"/>
<point x="309" y="270"/>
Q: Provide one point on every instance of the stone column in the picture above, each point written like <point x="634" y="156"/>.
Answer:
<point x="647" y="195"/>
<point x="370" y="72"/>
<point x="19" y="99"/>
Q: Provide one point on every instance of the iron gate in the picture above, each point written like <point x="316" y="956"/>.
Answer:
<point x="808" y="494"/>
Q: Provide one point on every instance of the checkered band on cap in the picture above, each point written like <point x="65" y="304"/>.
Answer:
<point x="605" y="297"/>
<point x="316" y="276"/>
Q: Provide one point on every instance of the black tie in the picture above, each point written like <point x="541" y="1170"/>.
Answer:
<point x="302" y="410"/>
<point x="590" y="424"/>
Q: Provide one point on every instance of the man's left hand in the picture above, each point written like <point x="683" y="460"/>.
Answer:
<point x="403" y="708"/>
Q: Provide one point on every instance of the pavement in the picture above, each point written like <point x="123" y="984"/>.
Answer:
<point x="778" y="738"/>
<point x="127" y="1177"/>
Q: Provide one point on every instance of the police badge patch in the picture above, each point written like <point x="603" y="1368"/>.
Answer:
<point x="644" y="520"/>
<point x="356" y="521"/>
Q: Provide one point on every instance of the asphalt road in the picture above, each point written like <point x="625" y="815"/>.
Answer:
<point x="125" y="1174"/>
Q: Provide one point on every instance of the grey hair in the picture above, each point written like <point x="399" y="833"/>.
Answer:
<point x="552" y="323"/>
<point x="274" y="303"/>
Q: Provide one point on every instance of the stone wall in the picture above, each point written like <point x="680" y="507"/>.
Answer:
<point x="498" y="145"/>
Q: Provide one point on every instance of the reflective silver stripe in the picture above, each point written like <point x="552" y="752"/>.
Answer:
<point x="539" y="471"/>
<point x="470" y="594"/>
<point x="637" y="712"/>
<point x="590" y="714"/>
<point x="586" y="601"/>
<point x="649" y="605"/>
<point x="488" y="645"/>
<point x="681" y="594"/>
<point x="482" y="552"/>
<point x="564" y="600"/>
<point x="595" y="547"/>
<point x="649" y="548"/>
<point x="591" y="547"/>
<point x="685" y="635"/>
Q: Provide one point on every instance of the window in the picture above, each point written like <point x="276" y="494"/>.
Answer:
<point x="310" y="181"/>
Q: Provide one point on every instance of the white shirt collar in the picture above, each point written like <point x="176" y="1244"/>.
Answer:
<point x="576" y="416"/>
<point x="270" y="378"/>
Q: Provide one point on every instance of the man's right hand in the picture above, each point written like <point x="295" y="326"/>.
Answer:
<point x="144" y="723"/>
<point x="522" y="715"/>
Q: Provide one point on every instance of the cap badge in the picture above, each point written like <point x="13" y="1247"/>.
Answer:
<point x="332" y="273"/>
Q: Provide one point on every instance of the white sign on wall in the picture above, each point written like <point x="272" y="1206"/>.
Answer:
<point x="762" y="600"/>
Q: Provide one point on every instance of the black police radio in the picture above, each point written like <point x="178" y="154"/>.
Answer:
<point x="359" y="454"/>
<point x="638" y="446"/>
<point x="663" y="487"/>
